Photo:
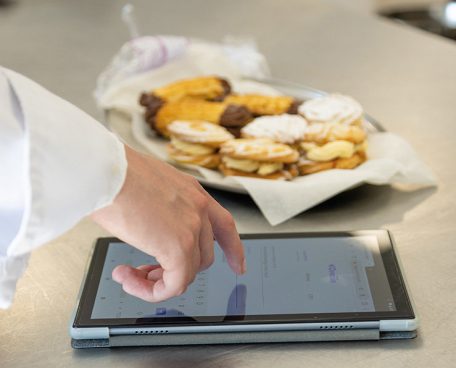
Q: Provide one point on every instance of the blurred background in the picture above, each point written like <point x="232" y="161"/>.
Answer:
<point x="48" y="39"/>
<point x="436" y="16"/>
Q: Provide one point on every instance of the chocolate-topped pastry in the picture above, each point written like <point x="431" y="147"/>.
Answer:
<point x="293" y="109"/>
<point x="152" y="104"/>
<point x="195" y="109"/>
<point x="226" y="91"/>
<point x="265" y="105"/>
<point x="236" y="131"/>
<point x="145" y="99"/>
<point x="235" y="116"/>
<point x="202" y="89"/>
<point x="205" y="88"/>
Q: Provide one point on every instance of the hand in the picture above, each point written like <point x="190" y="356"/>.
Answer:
<point x="167" y="214"/>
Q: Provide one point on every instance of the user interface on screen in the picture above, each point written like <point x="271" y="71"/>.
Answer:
<point x="284" y="276"/>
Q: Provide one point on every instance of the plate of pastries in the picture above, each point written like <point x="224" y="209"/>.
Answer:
<point x="269" y="131"/>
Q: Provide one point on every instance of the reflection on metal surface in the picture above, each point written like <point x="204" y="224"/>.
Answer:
<point x="5" y="3"/>
<point x="438" y="18"/>
<point x="445" y="14"/>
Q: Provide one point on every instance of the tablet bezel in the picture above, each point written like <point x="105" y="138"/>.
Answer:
<point x="386" y="245"/>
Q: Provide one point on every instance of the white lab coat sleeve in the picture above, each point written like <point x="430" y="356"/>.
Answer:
<point x="57" y="165"/>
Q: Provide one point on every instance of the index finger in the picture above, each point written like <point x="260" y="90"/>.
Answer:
<point x="225" y="233"/>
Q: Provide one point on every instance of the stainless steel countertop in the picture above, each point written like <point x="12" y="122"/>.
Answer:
<point x="404" y="78"/>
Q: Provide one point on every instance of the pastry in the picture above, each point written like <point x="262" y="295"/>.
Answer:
<point x="307" y="167"/>
<point x="285" y="128"/>
<point x="196" y="142"/>
<point x="199" y="132"/>
<point x="281" y="136"/>
<point x="266" y="105"/>
<point x="287" y="173"/>
<point x="350" y="162"/>
<point x="332" y="145"/>
<point x="206" y="88"/>
<point x="260" y="158"/>
<point x="334" y="108"/>
<point x="321" y="133"/>
<point x="311" y="167"/>
<point x="209" y="161"/>
<point x="194" y="109"/>
<point x="335" y="154"/>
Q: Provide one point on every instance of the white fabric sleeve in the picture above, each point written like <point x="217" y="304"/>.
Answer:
<point x="57" y="165"/>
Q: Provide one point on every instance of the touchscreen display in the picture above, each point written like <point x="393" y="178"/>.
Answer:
<point x="284" y="276"/>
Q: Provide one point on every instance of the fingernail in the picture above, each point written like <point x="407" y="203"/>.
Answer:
<point x="244" y="266"/>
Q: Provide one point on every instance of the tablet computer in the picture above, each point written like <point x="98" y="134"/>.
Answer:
<point x="298" y="287"/>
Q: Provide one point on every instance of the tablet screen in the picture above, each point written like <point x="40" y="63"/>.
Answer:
<point x="289" y="276"/>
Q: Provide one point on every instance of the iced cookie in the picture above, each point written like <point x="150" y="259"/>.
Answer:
<point x="260" y="158"/>
<point x="196" y="142"/>
<point x="321" y="133"/>
<point x="334" y="108"/>
<point x="285" y="128"/>
<point x="335" y="154"/>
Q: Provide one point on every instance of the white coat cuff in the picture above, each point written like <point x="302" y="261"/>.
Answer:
<point x="75" y="165"/>
<point x="11" y="268"/>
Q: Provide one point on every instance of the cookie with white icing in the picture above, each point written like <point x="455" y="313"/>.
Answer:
<point x="321" y="133"/>
<point x="285" y="128"/>
<point x="196" y="142"/>
<point x="337" y="154"/>
<point x="334" y="108"/>
<point x="259" y="150"/>
<point x="307" y="167"/>
<point x="261" y="158"/>
<point x="200" y="132"/>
